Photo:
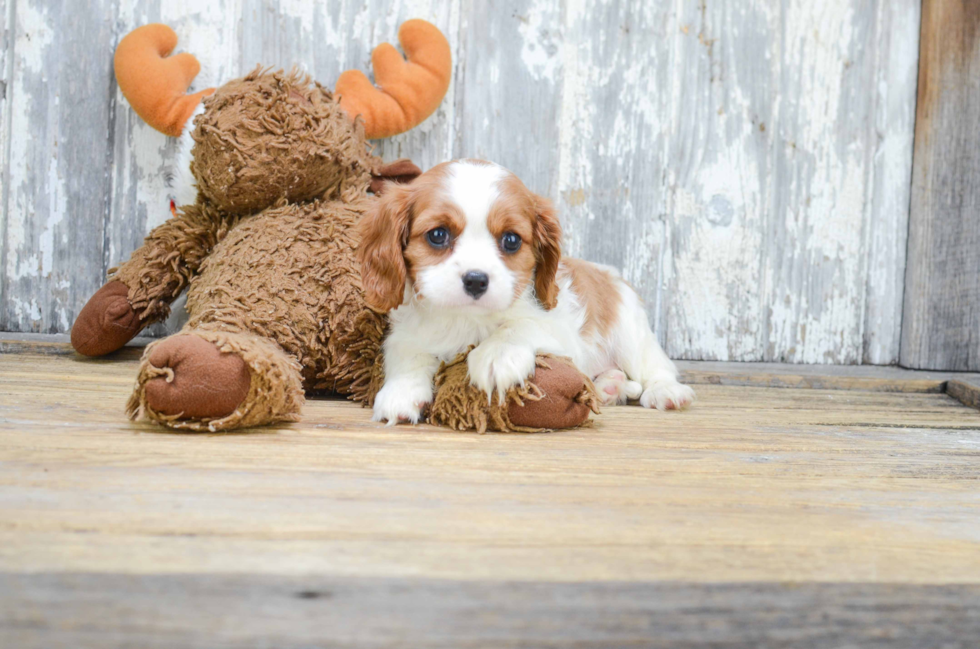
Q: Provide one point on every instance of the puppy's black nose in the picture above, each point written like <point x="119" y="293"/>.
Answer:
<point x="475" y="283"/>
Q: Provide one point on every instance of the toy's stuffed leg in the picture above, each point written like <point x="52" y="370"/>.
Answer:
<point x="140" y="291"/>
<point x="216" y="380"/>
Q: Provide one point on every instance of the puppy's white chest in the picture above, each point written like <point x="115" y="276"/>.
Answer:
<point x="445" y="335"/>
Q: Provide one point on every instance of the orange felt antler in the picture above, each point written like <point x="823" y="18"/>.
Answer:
<point x="410" y="90"/>
<point x="155" y="85"/>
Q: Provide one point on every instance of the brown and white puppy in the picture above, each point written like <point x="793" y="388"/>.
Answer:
<point x="467" y="255"/>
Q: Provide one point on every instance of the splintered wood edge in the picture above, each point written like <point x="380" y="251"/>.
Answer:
<point x="963" y="387"/>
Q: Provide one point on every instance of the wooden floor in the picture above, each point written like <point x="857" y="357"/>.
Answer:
<point x="761" y="517"/>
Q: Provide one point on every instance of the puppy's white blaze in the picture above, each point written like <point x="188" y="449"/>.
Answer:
<point x="474" y="189"/>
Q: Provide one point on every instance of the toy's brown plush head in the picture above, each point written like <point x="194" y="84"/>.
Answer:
<point x="276" y="135"/>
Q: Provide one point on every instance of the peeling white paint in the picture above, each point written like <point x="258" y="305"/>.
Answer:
<point x="747" y="166"/>
<point x="540" y="41"/>
<point x="575" y="133"/>
<point x="34" y="36"/>
<point x="897" y="26"/>
<point x="56" y="212"/>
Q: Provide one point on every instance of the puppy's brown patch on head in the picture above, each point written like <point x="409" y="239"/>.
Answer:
<point x="532" y="217"/>
<point x="388" y="231"/>
<point x="597" y="291"/>
<point x="431" y="208"/>
<point x="514" y="211"/>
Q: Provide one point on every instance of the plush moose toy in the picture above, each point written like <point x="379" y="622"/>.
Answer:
<point x="267" y="249"/>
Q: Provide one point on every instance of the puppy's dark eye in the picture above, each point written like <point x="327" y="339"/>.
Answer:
<point x="438" y="237"/>
<point x="510" y="242"/>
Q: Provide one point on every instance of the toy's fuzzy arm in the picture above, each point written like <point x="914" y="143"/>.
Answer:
<point x="154" y="83"/>
<point x="409" y="91"/>
<point x="140" y="291"/>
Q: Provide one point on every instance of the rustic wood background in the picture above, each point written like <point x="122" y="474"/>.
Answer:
<point x="747" y="163"/>
<point x="942" y="296"/>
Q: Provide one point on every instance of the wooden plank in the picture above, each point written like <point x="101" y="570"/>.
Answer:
<point x="895" y="82"/>
<point x="820" y="377"/>
<point x="966" y="390"/>
<point x="773" y="198"/>
<point x="144" y="159"/>
<point x="750" y="485"/>
<point x="60" y="345"/>
<point x="761" y="517"/>
<point x="720" y="159"/>
<point x="205" y="611"/>
<point x="616" y="61"/>
<point x="508" y="88"/>
<point x="942" y="286"/>
<point x="6" y="73"/>
<point x="57" y="189"/>
<point x="816" y="266"/>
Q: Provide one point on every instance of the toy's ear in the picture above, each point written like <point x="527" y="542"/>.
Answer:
<point x="410" y="90"/>
<point x="155" y="85"/>
<point x="547" y="251"/>
<point x="383" y="236"/>
<point x="401" y="171"/>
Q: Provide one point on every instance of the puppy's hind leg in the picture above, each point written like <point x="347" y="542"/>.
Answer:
<point x="639" y="355"/>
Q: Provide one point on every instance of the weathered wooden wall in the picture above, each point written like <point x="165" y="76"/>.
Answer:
<point x="746" y="163"/>
<point x="942" y="294"/>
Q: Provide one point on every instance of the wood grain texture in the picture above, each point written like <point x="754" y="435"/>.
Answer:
<point x="58" y="99"/>
<point x="942" y="285"/>
<point x="508" y="87"/>
<point x="195" y="611"/>
<point x="615" y="141"/>
<point x="752" y="484"/>
<point x="966" y="390"/>
<point x="744" y="163"/>
<point x="886" y="241"/>
<point x="6" y="73"/>
<point x="761" y="517"/>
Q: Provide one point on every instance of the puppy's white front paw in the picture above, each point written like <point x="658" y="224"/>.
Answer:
<point x="499" y="366"/>
<point x="402" y="400"/>
<point x="667" y="395"/>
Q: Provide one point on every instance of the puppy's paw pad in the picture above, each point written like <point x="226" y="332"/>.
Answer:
<point x="667" y="395"/>
<point x="612" y="386"/>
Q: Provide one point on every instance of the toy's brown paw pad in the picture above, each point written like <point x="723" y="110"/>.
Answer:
<point x="561" y="384"/>
<point x="106" y="323"/>
<point x="196" y="380"/>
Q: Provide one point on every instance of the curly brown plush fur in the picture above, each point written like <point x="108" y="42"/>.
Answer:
<point x="556" y="396"/>
<point x="268" y="256"/>
<point x="272" y="135"/>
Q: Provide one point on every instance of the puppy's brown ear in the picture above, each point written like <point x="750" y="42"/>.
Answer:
<point x="383" y="236"/>
<point x="402" y="171"/>
<point x="547" y="251"/>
